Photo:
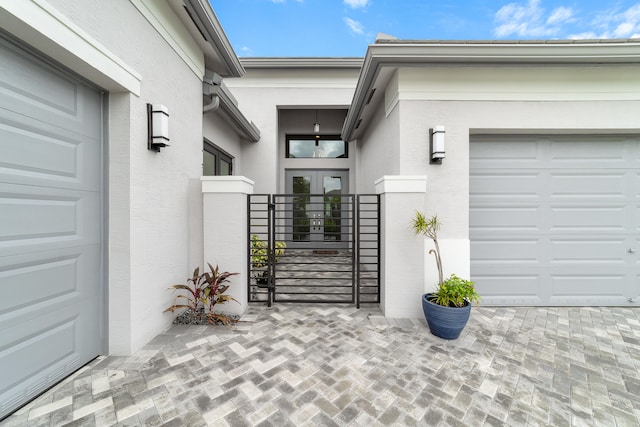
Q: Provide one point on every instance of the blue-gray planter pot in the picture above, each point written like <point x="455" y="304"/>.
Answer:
<point x="445" y="322"/>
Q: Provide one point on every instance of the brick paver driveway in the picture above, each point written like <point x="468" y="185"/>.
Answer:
<point x="324" y="365"/>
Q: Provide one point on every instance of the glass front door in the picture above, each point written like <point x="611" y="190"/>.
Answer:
<point x="319" y="213"/>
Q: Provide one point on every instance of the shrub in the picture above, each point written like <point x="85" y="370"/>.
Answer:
<point x="203" y="292"/>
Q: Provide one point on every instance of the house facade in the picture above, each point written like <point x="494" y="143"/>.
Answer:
<point x="538" y="189"/>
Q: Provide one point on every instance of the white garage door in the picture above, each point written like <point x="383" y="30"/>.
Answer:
<point x="51" y="304"/>
<point x="555" y="220"/>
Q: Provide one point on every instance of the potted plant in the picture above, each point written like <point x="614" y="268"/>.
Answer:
<point x="447" y="309"/>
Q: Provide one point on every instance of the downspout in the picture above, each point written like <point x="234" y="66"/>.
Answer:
<point x="210" y="85"/>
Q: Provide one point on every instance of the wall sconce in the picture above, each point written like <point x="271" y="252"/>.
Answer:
<point x="436" y="144"/>
<point x="157" y="127"/>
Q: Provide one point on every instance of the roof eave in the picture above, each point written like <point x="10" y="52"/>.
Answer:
<point x="246" y="128"/>
<point x="397" y="53"/>
<point x="209" y="24"/>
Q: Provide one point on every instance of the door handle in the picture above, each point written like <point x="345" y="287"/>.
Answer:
<point x="632" y="251"/>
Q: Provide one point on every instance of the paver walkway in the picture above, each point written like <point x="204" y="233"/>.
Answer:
<point x="332" y="365"/>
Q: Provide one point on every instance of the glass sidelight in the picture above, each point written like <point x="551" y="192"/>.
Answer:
<point x="318" y="210"/>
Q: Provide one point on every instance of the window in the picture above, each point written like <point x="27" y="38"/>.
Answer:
<point x="215" y="161"/>
<point x="308" y="146"/>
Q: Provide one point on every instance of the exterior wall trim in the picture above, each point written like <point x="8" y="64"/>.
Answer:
<point x="41" y="25"/>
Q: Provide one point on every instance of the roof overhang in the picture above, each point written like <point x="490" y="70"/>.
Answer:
<point x="385" y="56"/>
<point x="229" y="107"/>
<point x="201" y="21"/>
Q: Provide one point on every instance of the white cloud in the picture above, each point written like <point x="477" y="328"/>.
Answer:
<point x="528" y="20"/>
<point x="246" y="51"/>
<point x="354" y="4"/>
<point x="560" y="15"/>
<point x="628" y="22"/>
<point x="354" y="25"/>
<point x="614" y="23"/>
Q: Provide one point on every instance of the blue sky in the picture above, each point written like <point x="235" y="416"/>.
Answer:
<point x="345" y="27"/>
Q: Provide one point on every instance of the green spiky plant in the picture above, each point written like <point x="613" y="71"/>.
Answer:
<point x="203" y="292"/>
<point x="453" y="291"/>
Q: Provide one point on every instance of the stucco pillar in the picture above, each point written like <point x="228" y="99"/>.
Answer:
<point x="402" y="259"/>
<point x="225" y="233"/>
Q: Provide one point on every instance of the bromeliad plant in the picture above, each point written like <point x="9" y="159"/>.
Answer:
<point x="453" y="291"/>
<point x="203" y="292"/>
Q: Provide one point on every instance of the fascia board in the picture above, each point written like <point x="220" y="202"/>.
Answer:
<point x="491" y="53"/>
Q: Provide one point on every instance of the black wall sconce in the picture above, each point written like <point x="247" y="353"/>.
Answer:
<point x="436" y="145"/>
<point x="157" y="127"/>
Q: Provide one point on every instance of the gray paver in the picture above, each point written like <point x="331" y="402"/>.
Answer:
<point x="328" y="365"/>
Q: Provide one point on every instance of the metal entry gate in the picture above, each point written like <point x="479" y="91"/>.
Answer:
<point x="314" y="248"/>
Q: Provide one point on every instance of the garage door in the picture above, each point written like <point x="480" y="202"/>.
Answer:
<point x="51" y="253"/>
<point x="555" y="220"/>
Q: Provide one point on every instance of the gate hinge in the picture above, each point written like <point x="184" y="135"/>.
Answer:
<point x="272" y="206"/>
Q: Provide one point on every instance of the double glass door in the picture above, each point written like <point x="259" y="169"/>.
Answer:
<point x="319" y="210"/>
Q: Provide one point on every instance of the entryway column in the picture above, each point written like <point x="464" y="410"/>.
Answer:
<point x="402" y="260"/>
<point x="225" y="233"/>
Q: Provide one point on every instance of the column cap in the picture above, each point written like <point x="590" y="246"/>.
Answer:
<point x="227" y="184"/>
<point x="401" y="184"/>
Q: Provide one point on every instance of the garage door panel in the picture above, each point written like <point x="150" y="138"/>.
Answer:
<point x="612" y="285"/>
<point x="505" y="154"/>
<point x="585" y="152"/>
<point x="505" y="251"/>
<point x="40" y="218"/>
<point x="584" y="219"/>
<point x="514" y="219"/>
<point x="588" y="219"/>
<point x="570" y="185"/>
<point x="31" y="88"/>
<point x="517" y="289"/>
<point x="39" y="154"/>
<point x="520" y="285"/>
<point x="50" y="276"/>
<point x="511" y="186"/>
<point x="578" y="252"/>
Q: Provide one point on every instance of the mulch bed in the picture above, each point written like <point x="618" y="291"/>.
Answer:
<point x="190" y="317"/>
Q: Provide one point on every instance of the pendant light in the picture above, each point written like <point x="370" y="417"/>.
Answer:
<point x="316" y="126"/>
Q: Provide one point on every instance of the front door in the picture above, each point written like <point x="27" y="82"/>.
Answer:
<point x="319" y="217"/>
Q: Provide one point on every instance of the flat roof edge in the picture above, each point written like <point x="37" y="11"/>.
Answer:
<point x="302" y="62"/>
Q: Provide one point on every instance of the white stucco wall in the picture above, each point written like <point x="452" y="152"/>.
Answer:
<point x="378" y="149"/>
<point x="261" y="93"/>
<point x="468" y="100"/>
